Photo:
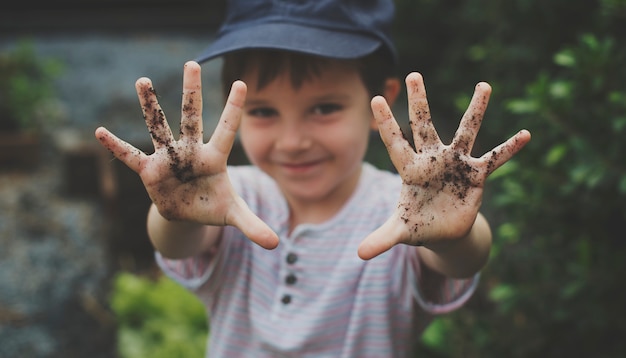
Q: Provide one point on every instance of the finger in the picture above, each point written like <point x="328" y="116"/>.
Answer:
<point x="424" y="133"/>
<point x="251" y="225"/>
<point x="400" y="151"/>
<point x="224" y="135"/>
<point x="465" y="135"/>
<point x="153" y="114"/>
<point x="191" y="117"/>
<point x="123" y="151"/>
<point x="505" y="151"/>
<point x="382" y="239"/>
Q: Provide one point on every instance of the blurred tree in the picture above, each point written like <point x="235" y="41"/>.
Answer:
<point x="558" y="210"/>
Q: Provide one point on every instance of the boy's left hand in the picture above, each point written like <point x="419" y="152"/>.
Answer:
<point x="442" y="184"/>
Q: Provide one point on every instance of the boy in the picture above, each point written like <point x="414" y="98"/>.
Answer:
<point x="310" y="251"/>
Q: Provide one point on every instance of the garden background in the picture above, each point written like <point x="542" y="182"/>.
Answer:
<point x="77" y="274"/>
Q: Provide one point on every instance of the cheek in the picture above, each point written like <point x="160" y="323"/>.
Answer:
<point x="253" y="144"/>
<point x="351" y="141"/>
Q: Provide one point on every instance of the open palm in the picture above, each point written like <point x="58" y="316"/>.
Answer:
<point x="442" y="184"/>
<point x="186" y="178"/>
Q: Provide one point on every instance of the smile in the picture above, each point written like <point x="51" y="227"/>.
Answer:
<point x="300" y="167"/>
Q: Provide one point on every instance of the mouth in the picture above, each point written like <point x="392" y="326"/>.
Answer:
<point x="300" y="167"/>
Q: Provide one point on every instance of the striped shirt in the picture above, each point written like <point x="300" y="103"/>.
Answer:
<point x="313" y="296"/>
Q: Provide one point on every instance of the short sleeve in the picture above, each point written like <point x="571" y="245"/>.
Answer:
<point x="190" y="272"/>
<point x="438" y="294"/>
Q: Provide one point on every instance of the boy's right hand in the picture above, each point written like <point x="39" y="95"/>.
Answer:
<point x="186" y="179"/>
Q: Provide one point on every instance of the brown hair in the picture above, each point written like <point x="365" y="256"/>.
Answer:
<point x="374" y="69"/>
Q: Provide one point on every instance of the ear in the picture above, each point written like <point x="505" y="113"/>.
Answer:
<point x="390" y="92"/>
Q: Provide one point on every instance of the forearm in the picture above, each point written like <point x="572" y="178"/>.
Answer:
<point x="179" y="239"/>
<point x="462" y="257"/>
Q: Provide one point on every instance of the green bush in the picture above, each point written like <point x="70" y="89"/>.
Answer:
<point x="157" y="318"/>
<point x="27" y="95"/>
<point x="558" y="210"/>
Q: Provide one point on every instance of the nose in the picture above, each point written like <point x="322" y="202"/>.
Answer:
<point x="293" y="138"/>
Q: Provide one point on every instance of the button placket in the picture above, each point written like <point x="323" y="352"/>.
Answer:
<point x="289" y="267"/>
<point x="290" y="278"/>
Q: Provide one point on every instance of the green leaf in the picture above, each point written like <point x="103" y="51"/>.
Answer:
<point x="435" y="335"/>
<point x="502" y="292"/>
<point x="561" y="89"/>
<point x="508" y="232"/>
<point x="565" y="58"/>
<point x="506" y="169"/>
<point x="555" y="154"/>
<point x="522" y="106"/>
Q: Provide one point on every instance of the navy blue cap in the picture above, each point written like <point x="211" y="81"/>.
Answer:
<point x="343" y="29"/>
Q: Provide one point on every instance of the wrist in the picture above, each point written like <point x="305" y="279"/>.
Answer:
<point x="174" y="238"/>
<point x="462" y="257"/>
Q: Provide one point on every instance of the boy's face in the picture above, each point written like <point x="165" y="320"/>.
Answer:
<point x="311" y="140"/>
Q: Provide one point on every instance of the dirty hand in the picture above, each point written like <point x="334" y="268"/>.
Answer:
<point x="186" y="178"/>
<point x="442" y="184"/>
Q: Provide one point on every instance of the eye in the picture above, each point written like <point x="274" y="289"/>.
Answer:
<point x="325" y="109"/>
<point x="262" y="112"/>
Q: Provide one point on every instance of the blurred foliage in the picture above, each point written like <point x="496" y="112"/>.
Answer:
<point x="558" y="210"/>
<point x="157" y="318"/>
<point x="27" y="95"/>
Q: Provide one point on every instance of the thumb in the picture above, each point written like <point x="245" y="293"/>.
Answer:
<point x="252" y="226"/>
<point x="382" y="239"/>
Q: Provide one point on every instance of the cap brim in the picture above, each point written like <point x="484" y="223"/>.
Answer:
<point x="291" y="37"/>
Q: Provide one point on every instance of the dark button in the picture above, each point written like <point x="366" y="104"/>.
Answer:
<point x="291" y="279"/>
<point x="292" y="258"/>
<point x="286" y="299"/>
